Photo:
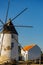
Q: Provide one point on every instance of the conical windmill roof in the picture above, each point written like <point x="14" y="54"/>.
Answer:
<point x="9" y="28"/>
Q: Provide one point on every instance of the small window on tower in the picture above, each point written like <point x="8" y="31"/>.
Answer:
<point x="12" y="36"/>
<point x="12" y="45"/>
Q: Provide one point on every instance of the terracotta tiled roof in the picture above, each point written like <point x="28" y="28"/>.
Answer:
<point x="28" y="47"/>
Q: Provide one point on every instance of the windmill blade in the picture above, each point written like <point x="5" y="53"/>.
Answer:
<point x="1" y="25"/>
<point x="1" y="28"/>
<point x="23" y="26"/>
<point x="19" y="13"/>
<point x="7" y="11"/>
<point x="1" y="21"/>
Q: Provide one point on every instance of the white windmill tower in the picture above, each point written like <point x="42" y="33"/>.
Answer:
<point x="9" y="45"/>
<point x="9" y="37"/>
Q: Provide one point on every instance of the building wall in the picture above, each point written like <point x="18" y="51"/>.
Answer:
<point x="5" y="44"/>
<point x="11" y="53"/>
<point x="32" y="54"/>
<point x="24" y="55"/>
<point x="14" y="51"/>
<point x="0" y="41"/>
<point x="0" y="48"/>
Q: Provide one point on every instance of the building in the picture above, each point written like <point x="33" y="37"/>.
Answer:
<point x="32" y="52"/>
<point x="8" y="42"/>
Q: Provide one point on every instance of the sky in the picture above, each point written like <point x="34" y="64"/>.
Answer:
<point x="33" y="16"/>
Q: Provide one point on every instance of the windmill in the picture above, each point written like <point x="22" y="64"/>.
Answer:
<point x="7" y="29"/>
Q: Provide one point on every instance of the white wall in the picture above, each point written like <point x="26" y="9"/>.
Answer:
<point x="14" y="52"/>
<point x="7" y="40"/>
<point x="0" y="41"/>
<point x="24" y="55"/>
<point x="33" y="53"/>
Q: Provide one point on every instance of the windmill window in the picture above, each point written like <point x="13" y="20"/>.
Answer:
<point x="12" y="36"/>
<point x="12" y="45"/>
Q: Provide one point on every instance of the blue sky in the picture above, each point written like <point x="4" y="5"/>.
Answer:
<point x="33" y="16"/>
